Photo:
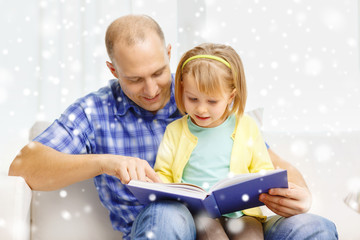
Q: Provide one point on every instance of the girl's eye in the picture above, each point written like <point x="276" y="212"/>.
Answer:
<point x="192" y="99"/>
<point x="212" y="101"/>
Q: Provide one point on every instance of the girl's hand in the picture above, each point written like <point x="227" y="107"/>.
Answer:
<point x="287" y="202"/>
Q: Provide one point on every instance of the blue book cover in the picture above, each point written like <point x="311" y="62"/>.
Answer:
<point x="228" y="195"/>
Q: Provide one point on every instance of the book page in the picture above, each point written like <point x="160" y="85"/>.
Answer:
<point x="184" y="189"/>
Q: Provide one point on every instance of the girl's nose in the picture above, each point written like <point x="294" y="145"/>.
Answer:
<point x="201" y="108"/>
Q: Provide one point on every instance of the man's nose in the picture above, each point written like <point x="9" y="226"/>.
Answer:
<point x="150" y="88"/>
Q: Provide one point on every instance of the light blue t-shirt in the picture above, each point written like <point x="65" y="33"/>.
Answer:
<point x="210" y="160"/>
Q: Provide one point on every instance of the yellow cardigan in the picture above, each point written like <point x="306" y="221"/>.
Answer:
<point x="249" y="153"/>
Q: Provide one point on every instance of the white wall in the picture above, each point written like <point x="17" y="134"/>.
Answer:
<point x="52" y="52"/>
<point x="301" y="58"/>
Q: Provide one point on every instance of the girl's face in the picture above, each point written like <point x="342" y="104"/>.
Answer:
<point x="205" y="111"/>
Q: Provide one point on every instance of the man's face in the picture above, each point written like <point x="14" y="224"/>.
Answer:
<point x="143" y="71"/>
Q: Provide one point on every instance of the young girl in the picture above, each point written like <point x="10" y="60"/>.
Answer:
<point x="214" y="139"/>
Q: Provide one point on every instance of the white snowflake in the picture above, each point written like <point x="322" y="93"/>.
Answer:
<point x="235" y="226"/>
<point x="245" y="197"/>
<point x="66" y="215"/>
<point x="63" y="193"/>
<point x="152" y="197"/>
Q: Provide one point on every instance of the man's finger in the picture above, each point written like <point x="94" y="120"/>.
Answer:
<point x="279" y="201"/>
<point x="151" y="174"/>
<point x="123" y="175"/>
<point x="141" y="173"/>
<point x="132" y="173"/>
<point x="287" y="205"/>
<point x="282" y="210"/>
<point x="281" y="213"/>
<point x="285" y="192"/>
<point x="141" y="166"/>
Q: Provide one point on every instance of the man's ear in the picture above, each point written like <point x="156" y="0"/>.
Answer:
<point x="168" y="49"/>
<point x="112" y="69"/>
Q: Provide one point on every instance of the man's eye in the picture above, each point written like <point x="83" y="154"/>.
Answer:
<point x="134" y="80"/>
<point x="157" y="74"/>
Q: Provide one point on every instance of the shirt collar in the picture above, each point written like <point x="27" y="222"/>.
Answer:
<point x="125" y="104"/>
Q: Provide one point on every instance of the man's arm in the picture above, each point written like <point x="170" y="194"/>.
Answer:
<point x="294" y="175"/>
<point x="44" y="168"/>
<point x="291" y="201"/>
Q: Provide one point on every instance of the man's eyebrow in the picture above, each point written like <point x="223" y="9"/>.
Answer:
<point x="137" y="77"/>
<point x="131" y="77"/>
<point x="160" y="69"/>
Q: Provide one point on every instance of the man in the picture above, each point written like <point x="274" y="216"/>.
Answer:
<point x="113" y="135"/>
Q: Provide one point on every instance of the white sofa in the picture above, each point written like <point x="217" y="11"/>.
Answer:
<point x="329" y="162"/>
<point x="72" y="213"/>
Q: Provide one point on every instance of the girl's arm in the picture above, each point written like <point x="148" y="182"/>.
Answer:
<point x="165" y="158"/>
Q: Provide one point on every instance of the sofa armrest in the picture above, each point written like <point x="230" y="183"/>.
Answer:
<point x="14" y="208"/>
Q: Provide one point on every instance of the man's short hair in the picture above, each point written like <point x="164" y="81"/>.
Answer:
<point x="131" y="29"/>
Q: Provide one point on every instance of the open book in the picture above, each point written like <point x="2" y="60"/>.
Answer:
<point x="228" y="195"/>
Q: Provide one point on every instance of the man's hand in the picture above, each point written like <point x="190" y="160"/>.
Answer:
<point x="287" y="202"/>
<point x="45" y="169"/>
<point x="129" y="168"/>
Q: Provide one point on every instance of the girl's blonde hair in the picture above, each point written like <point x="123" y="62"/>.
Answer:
<point x="212" y="76"/>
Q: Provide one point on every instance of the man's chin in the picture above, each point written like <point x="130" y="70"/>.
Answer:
<point x="154" y="107"/>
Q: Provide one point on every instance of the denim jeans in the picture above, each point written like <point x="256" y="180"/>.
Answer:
<point x="172" y="220"/>
<point x="164" y="220"/>
<point x="299" y="227"/>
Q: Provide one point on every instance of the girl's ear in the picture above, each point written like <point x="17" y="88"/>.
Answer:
<point x="232" y="96"/>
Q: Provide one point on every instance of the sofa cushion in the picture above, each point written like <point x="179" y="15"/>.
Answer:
<point x="14" y="208"/>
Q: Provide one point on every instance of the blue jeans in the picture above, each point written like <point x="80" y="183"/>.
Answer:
<point x="172" y="220"/>
<point x="164" y="220"/>
<point x="299" y="227"/>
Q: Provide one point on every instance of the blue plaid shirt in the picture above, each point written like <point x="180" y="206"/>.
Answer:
<point x="108" y="122"/>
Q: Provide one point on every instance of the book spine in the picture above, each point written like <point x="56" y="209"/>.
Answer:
<point x="211" y="206"/>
